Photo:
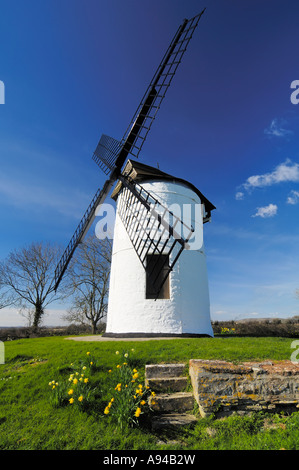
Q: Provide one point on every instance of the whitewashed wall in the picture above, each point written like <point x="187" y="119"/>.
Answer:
<point x="188" y="309"/>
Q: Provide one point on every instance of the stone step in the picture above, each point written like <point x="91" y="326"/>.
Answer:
<point x="172" y="402"/>
<point x="167" y="384"/>
<point x="164" y="370"/>
<point x="172" y="421"/>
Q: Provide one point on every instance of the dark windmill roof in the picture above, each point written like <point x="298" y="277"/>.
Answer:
<point x="140" y="172"/>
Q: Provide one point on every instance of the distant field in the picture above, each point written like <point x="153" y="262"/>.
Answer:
<point x="28" y="420"/>
<point x="288" y="328"/>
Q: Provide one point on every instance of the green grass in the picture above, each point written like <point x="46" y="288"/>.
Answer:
<point x="28" y="420"/>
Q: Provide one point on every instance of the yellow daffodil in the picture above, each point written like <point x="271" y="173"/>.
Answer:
<point x="88" y="353"/>
<point x="80" y="398"/>
<point x="142" y="402"/>
<point x="86" y="380"/>
<point x="138" y="412"/>
<point x="106" y="411"/>
<point x="75" y="381"/>
<point x="70" y="392"/>
<point x="71" y="400"/>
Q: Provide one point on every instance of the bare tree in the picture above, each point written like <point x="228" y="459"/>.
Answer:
<point x="5" y="298"/>
<point x="88" y="282"/>
<point x="27" y="275"/>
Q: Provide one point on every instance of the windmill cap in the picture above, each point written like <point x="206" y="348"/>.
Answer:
<point x="141" y="172"/>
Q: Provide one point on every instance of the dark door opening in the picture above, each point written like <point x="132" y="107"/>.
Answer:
<point x="157" y="267"/>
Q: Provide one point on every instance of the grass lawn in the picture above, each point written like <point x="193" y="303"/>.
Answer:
<point x="29" y="421"/>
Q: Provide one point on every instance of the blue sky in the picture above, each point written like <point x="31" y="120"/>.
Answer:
<point x="73" y="70"/>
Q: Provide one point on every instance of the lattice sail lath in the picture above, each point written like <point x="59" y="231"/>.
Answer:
<point x="106" y="153"/>
<point x="152" y="229"/>
<point x="81" y="231"/>
<point x="155" y="93"/>
<point x="133" y="139"/>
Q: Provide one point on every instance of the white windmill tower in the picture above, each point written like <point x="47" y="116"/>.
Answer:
<point x="158" y="282"/>
<point x="156" y="288"/>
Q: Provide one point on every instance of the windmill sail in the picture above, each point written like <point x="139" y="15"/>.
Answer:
<point x="145" y="114"/>
<point x="81" y="231"/>
<point x="110" y="154"/>
<point x="106" y="153"/>
<point x="153" y="230"/>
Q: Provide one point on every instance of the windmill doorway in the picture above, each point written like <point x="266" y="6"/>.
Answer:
<point x="157" y="268"/>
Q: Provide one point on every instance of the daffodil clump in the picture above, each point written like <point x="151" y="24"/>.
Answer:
<point x="89" y="362"/>
<point x="57" y="394"/>
<point x="76" y="390"/>
<point x="228" y="331"/>
<point x="129" y="397"/>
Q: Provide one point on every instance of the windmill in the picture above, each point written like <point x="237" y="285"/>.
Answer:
<point x="154" y="234"/>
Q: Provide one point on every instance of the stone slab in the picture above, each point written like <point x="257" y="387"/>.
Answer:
<point x="164" y="370"/>
<point x="172" y="402"/>
<point x="224" y="387"/>
<point x="167" y="384"/>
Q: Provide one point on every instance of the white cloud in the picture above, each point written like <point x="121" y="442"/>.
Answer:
<point x="285" y="172"/>
<point x="266" y="211"/>
<point x="239" y="196"/>
<point x="276" y="129"/>
<point x="293" y="198"/>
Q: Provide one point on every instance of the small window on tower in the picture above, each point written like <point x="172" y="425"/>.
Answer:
<point x="157" y="267"/>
